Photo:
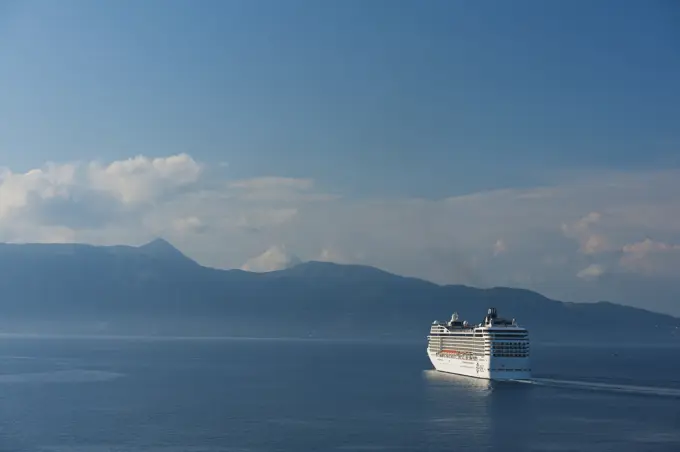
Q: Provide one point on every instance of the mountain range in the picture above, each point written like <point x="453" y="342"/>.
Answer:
<point x="154" y="289"/>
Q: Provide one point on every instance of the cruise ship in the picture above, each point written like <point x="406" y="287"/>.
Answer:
<point x="496" y="349"/>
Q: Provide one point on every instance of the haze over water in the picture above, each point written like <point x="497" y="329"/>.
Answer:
<point x="290" y="395"/>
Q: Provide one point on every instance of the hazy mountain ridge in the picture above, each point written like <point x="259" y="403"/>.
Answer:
<point x="155" y="289"/>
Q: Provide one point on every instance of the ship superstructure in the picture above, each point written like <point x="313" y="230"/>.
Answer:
<point x="496" y="349"/>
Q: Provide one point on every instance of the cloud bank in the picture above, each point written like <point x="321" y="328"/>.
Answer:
<point x="274" y="258"/>
<point x="610" y="235"/>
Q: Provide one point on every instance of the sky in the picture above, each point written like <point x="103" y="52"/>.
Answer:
<point x="527" y="144"/>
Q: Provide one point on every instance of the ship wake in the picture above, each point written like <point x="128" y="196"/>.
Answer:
<point x="604" y="387"/>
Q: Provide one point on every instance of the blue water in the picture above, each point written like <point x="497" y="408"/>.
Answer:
<point x="281" y="395"/>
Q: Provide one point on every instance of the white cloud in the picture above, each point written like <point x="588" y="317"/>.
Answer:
<point x="43" y="204"/>
<point x="17" y="190"/>
<point x="499" y="247"/>
<point x="274" y="258"/>
<point x="568" y="240"/>
<point x="141" y="179"/>
<point x="190" y="224"/>
<point x="333" y="254"/>
<point x="583" y="230"/>
<point x="652" y="258"/>
<point x="647" y="246"/>
<point x="584" y="223"/>
<point x="593" y="271"/>
<point x="594" y="244"/>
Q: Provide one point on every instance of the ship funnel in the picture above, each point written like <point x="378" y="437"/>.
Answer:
<point x="491" y="316"/>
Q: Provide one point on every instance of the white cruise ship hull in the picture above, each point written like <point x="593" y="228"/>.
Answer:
<point x="489" y="368"/>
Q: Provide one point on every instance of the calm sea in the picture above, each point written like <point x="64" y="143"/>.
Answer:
<point x="95" y="395"/>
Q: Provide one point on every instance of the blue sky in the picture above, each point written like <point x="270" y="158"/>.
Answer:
<point x="379" y="101"/>
<point x="441" y="99"/>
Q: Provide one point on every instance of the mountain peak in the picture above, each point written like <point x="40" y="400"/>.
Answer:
<point x="161" y="248"/>
<point x="157" y="244"/>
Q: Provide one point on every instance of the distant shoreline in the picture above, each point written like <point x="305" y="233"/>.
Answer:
<point x="180" y="338"/>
